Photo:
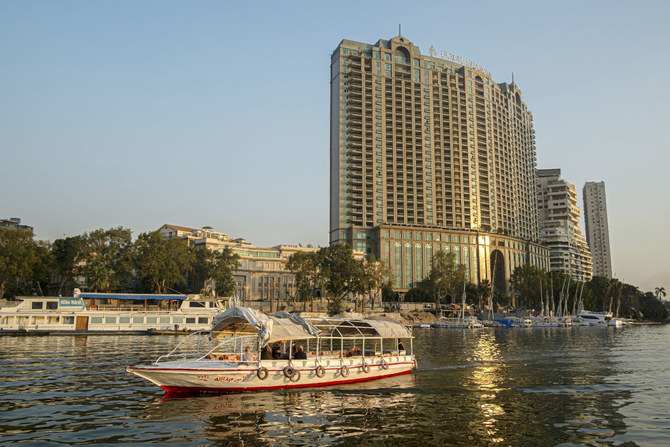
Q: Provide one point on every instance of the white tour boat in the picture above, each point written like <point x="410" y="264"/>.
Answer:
<point x="242" y="352"/>
<point x="469" y="322"/>
<point x="110" y="312"/>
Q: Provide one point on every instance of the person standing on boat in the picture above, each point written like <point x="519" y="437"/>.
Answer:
<point x="276" y="351"/>
<point x="266" y="353"/>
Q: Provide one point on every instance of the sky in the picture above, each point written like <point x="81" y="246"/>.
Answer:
<point x="215" y="113"/>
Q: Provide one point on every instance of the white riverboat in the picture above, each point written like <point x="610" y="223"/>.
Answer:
<point x="469" y="322"/>
<point x="242" y="350"/>
<point x="107" y="312"/>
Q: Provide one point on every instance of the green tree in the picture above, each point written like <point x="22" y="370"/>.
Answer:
<point x="222" y="266"/>
<point x="341" y="273"/>
<point x="375" y="273"/>
<point x="17" y="257"/>
<point x="66" y="253"/>
<point x="305" y="267"/>
<point x="162" y="262"/>
<point x="106" y="260"/>
<point x="446" y="277"/>
<point x="660" y="293"/>
<point x="526" y="281"/>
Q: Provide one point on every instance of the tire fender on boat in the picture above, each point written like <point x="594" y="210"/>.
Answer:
<point x="295" y="377"/>
<point x="320" y="371"/>
<point x="384" y="364"/>
<point x="365" y="367"/>
<point x="262" y="373"/>
<point x="344" y="371"/>
<point x="289" y="372"/>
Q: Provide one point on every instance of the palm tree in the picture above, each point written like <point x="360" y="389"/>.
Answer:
<point x="660" y="293"/>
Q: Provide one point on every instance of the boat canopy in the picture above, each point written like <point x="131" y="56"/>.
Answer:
<point x="282" y="326"/>
<point x="362" y="328"/>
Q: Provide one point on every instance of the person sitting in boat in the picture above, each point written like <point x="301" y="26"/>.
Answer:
<point x="247" y="357"/>
<point x="266" y="353"/>
<point x="300" y="354"/>
<point x="276" y="351"/>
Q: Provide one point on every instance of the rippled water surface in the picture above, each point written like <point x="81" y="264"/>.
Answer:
<point x="549" y="386"/>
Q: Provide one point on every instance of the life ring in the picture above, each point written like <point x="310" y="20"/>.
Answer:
<point x="344" y="371"/>
<point x="262" y="373"/>
<point x="296" y="376"/>
<point x="320" y="371"/>
<point x="384" y="364"/>
<point x="289" y="372"/>
<point x="365" y="367"/>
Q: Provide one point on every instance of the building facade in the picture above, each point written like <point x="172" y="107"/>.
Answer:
<point x="557" y="202"/>
<point x="597" y="228"/>
<point x="262" y="274"/>
<point x="426" y="154"/>
<point x="14" y="223"/>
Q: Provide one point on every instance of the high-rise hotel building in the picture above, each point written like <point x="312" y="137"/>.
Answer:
<point x="597" y="229"/>
<point x="428" y="154"/>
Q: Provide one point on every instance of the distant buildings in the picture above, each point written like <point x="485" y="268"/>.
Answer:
<point x="559" y="214"/>
<point x="262" y="273"/>
<point x="597" y="230"/>
<point x="428" y="153"/>
<point x="14" y="222"/>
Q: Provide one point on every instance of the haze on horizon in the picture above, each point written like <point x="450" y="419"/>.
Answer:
<point x="138" y="114"/>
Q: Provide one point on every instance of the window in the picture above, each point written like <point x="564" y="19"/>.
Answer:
<point x="68" y="320"/>
<point x="110" y="320"/>
<point x="37" y="305"/>
<point x="138" y="320"/>
<point x="52" y="305"/>
<point x="203" y="320"/>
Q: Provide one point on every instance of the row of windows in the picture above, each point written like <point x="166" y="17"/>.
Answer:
<point x="106" y="320"/>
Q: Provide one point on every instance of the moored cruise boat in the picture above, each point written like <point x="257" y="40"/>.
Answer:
<point x="246" y="350"/>
<point x="469" y="322"/>
<point x="600" y="318"/>
<point x="106" y="312"/>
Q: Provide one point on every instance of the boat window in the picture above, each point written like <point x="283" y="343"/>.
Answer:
<point x="164" y="320"/>
<point x="138" y="320"/>
<point x="124" y="320"/>
<point x="37" y="305"/>
<point x="178" y="320"/>
<point x="52" y="305"/>
<point x="190" y="321"/>
<point x="96" y="320"/>
<point x="110" y="319"/>
<point x="203" y="320"/>
<point x="68" y="320"/>
<point x="196" y="304"/>
<point x="151" y="320"/>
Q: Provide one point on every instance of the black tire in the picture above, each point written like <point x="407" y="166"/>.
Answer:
<point x="262" y="373"/>
<point x="289" y="372"/>
<point x="295" y="377"/>
<point x="344" y="371"/>
<point x="320" y="371"/>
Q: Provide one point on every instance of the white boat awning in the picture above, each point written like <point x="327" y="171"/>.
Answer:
<point x="241" y="320"/>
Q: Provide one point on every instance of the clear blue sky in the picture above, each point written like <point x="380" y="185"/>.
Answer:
<point x="140" y="113"/>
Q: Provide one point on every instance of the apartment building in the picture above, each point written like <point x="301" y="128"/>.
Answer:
<point x="557" y="202"/>
<point x="597" y="228"/>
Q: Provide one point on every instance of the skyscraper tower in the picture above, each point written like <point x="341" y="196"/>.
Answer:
<point x="597" y="230"/>
<point x="428" y="153"/>
<point x="557" y="201"/>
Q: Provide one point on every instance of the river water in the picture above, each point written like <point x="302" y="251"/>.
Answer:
<point x="507" y="387"/>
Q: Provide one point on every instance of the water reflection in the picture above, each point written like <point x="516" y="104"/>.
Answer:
<point x="490" y="387"/>
<point x="304" y="416"/>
